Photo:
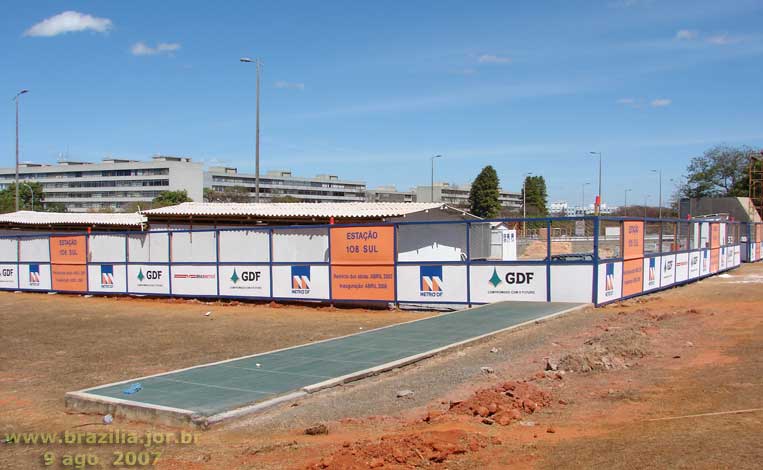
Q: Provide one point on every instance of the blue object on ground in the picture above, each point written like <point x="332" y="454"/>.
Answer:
<point x="134" y="388"/>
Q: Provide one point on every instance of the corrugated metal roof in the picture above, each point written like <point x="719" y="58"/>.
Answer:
<point x="71" y="218"/>
<point x="296" y="209"/>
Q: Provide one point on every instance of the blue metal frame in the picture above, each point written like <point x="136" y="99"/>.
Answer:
<point x="467" y="263"/>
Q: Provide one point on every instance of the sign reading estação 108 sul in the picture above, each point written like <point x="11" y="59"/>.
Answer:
<point x="633" y="240"/>
<point x="362" y="263"/>
<point x="68" y="249"/>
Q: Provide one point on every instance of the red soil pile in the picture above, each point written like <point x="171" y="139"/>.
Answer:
<point x="504" y="403"/>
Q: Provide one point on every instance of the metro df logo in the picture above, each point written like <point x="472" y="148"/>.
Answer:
<point x="300" y="279"/>
<point x="609" y="280"/>
<point x="431" y="281"/>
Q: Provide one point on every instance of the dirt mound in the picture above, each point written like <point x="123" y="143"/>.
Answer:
<point x="614" y="349"/>
<point x="402" y="451"/>
<point x="504" y="403"/>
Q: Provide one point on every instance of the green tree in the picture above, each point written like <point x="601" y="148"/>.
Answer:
<point x="26" y="191"/>
<point x="483" y="196"/>
<point x="536" y="196"/>
<point x="228" y="194"/>
<point x="722" y="171"/>
<point x="170" y="198"/>
<point x="286" y="198"/>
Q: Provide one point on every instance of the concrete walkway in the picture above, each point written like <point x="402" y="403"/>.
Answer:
<point x="212" y="392"/>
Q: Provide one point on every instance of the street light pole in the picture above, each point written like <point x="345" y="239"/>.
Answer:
<point x="626" y="202"/>
<point x="431" y="188"/>
<point x="16" y="99"/>
<point x="659" y="172"/>
<point x="257" y="63"/>
<point x="598" y="197"/>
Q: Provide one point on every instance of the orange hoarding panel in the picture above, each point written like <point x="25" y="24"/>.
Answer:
<point x="363" y="283"/>
<point x="68" y="250"/>
<point x="633" y="277"/>
<point x="363" y="245"/>
<point x="633" y="240"/>
<point x="759" y="233"/>
<point x="714" y="259"/>
<point x="715" y="235"/>
<point x="69" y="277"/>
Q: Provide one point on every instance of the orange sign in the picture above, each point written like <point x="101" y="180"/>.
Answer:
<point x="633" y="277"/>
<point x="363" y="245"/>
<point x="69" y="277"/>
<point x="633" y="240"/>
<point x="68" y="249"/>
<point x="759" y="233"/>
<point x="363" y="282"/>
<point x="714" y="258"/>
<point x="715" y="235"/>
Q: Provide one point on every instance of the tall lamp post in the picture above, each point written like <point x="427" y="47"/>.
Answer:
<point x="625" y="203"/>
<point x="431" y="188"/>
<point x="598" y="197"/>
<point x="257" y="63"/>
<point x="524" y="204"/>
<point x="582" y="197"/>
<point x="16" y="99"/>
<point x="659" y="172"/>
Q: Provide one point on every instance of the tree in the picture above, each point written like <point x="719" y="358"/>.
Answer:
<point x="26" y="191"/>
<point x="483" y="196"/>
<point x="170" y="198"/>
<point x="536" y="196"/>
<point x="722" y="171"/>
<point x="228" y="194"/>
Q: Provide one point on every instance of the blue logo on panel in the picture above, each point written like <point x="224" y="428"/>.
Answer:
<point x="34" y="274"/>
<point x="300" y="279"/>
<point x="107" y="275"/>
<point x="431" y="281"/>
<point x="609" y="285"/>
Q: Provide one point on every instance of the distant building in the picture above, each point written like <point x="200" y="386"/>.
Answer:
<point x="389" y="194"/>
<point x="111" y="184"/>
<point x="590" y="209"/>
<point x="459" y="195"/>
<point x="281" y="183"/>
<point x="558" y="208"/>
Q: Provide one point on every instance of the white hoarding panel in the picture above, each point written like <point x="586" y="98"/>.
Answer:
<point x="190" y="247"/>
<point x="9" y="250"/>
<point x="704" y="263"/>
<point x="610" y="281"/>
<point x="668" y="276"/>
<point x="34" y="276"/>
<point x="148" y="278"/>
<point x="682" y="267"/>
<point x="652" y="269"/>
<point x="107" y="278"/>
<point x="198" y="280"/>
<point x="695" y="258"/>
<point x="573" y="283"/>
<point x="9" y="278"/>
<point x="722" y="259"/>
<point x="431" y="242"/>
<point x="431" y="283"/>
<point x="309" y="245"/>
<point x="106" y="248"/>
<point x="148" y="247"/>
<point x="245" y="280"/>
<point x="494" y="283"/>
<point x="729" y="257"/>
<point x="704" y="235"/>
<point x="34" y="249"/>
<point x="301" y="281"/>
<point x="737" y="255"/>
<point x="244" y="246"/>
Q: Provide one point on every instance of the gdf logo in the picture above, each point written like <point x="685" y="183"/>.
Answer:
<point x="519" y="278"/>
<point x="7" y="272"/>
<point x="668" y="266"/>
<point x="250" y="276"/>
<point x="153" y="274"/>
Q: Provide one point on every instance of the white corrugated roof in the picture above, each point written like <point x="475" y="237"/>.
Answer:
<point x="71" y="218"/>
<point x="297" y="209"/>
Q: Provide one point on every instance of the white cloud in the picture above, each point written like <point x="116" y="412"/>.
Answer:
<point x="493" y="59"/>
<point x="68" y="22"/>
<point x="686" y="34"/>
<point x="722" y="40"/>
<point x="293" y="86"/>
<point x="141" y="48"/>
<point x="626" y="101"/>
<point x="660" y="103"/>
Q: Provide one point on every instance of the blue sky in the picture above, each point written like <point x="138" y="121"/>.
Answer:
<point x="369" y="91"/>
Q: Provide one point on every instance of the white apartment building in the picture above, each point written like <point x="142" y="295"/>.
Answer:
<point x="459" y="195"/>
<point x="111" y="184"/>
<point x="281" y="183"/>
<point x="389" y="194"/>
